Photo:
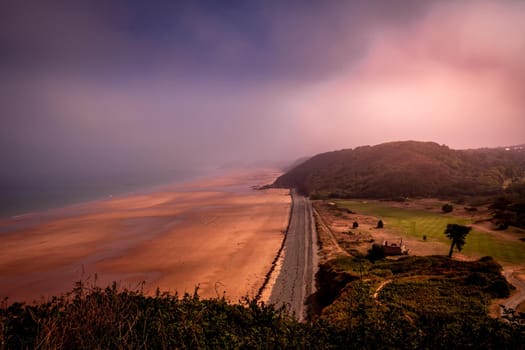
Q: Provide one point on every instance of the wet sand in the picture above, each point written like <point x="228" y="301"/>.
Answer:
<point x="216" y="233"/>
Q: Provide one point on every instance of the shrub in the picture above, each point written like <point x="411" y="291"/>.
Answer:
<point x="499" y="288"/>
<point x="377" y="252"/>
<point x="447" y="208"/>
<point x="477" y="279"/>
<point x="95" y="318"/>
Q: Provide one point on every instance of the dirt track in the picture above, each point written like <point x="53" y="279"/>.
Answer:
<point x="296" y="280"/>
<point x="519" y="296"/>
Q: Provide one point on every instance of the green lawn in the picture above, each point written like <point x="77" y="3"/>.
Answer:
<point x="416" y="223"/>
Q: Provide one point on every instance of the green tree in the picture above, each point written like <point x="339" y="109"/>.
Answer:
<point x="376" y="253"/>
<point x="447" y="208"/>
<point x="457" y="233"/>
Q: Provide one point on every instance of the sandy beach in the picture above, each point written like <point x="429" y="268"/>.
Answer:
<point x="217" y="233"/>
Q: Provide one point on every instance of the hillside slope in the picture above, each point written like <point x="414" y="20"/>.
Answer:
<point x="406" y="168"/>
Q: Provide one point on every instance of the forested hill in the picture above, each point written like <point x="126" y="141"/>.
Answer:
<point x="407" y="169"/>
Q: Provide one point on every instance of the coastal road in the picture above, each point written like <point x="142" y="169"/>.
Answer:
<point x="296" y="279"/>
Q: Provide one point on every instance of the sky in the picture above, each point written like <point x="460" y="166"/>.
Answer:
<point x="99" y="88"/>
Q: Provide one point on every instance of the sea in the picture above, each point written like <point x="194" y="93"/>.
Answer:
<point x="25" y="195"/>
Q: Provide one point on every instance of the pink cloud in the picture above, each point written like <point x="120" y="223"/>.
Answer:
<point x="456" y="76"/>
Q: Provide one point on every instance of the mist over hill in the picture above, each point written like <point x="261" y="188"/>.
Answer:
<point x="407" y="169"/>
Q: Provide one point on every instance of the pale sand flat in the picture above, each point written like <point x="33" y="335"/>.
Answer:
<point x="223" y="240"/>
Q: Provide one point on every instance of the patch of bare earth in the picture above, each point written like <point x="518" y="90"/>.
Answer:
<point x="511" y="234"/>
<point x="328" y="245"/>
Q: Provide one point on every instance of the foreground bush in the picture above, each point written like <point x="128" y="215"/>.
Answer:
<point x="96" y="318"/>
<point x="109" y="318"/>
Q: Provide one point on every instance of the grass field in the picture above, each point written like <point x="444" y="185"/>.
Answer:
<point x="416" y="223"/>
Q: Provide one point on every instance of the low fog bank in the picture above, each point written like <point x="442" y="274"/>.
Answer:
<point x="98" y="95"/>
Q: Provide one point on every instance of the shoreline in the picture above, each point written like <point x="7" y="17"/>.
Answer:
<point x="266" y="288"/>
<point x="216" y="233"/>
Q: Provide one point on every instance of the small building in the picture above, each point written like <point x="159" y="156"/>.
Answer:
<point x="395" y="248"/>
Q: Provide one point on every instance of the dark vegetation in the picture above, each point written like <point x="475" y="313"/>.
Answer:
<point x="95" y="318"/>
<point x="457" y="234"/>
<point x="377" y="252"/>
<point x="447" y="208"/>
<point x="406" y="169"/>
<point x="427" y="302"/>
<point x="509" y="207"/>
<point x="445" y="308"/>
